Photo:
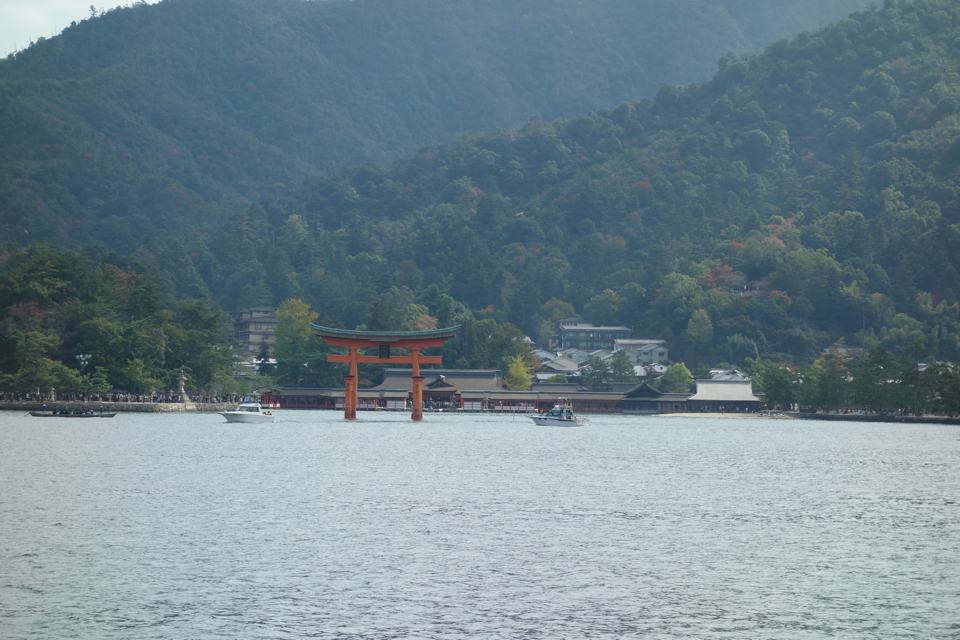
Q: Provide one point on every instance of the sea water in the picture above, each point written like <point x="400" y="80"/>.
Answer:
<point x="477" y="526"/>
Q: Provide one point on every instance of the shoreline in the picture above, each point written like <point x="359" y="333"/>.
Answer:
<point x="783" y="416"/>
<point x="835" y="417"/>
<point x="120" y="407"/>
<point x="860" y="417"/>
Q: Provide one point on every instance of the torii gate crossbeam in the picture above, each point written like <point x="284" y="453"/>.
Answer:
<point x="356" y="340"/>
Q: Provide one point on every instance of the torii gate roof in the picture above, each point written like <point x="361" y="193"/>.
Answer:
<point x="397" y="338"/>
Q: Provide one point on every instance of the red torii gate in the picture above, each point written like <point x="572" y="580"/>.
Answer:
<point x="355" y="340"/>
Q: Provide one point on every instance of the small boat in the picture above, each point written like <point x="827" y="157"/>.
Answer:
<point x="249" y="411"/>
<point x="560" y="416"/>
<point x="73" y="414"/>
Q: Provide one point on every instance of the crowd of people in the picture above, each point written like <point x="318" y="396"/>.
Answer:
<point x="119" y="396"/>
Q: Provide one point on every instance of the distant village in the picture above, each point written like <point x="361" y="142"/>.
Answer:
<point x="575" y="344"/>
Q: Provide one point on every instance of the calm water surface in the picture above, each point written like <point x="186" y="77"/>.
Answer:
<point x="182" y="526"/>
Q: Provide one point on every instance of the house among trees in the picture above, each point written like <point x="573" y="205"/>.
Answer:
<point x="254" y="329"/>
<point x="557" y="366"/>
<point x="577" y="355"/>
<point x="643" y="351"/>
<point x="577" y="334"/>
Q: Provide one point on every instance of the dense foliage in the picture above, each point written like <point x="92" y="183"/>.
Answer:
<point x="800" y="196"/>
<point x="877" y="383"/>
<point x="158" y="121"/>
<point x="101" y="321"/>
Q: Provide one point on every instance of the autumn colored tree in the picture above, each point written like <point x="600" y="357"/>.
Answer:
<point x="517" y="376"/>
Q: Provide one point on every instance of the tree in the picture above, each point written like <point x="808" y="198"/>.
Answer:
<point x="517" y="377"/>
<point x="603" y="309"/>
<point x="556" y="310"/>
<point x="137" y="375"/>
<point x="39" y="371"/>
<point x="756" y="147"/>
<point x="621" y="367"/>
<point x="264" y="366"/>
<point x="701" y="372"/>
<point x="416" y="317"/>
<point x="913" y="393"/>
<point x="301" y="356"/>
<point x="700" y="328"/>
<point x="777" y="383"/>
<point x="872" y="377"/>
<point x="597" y="374"/>
<point x="196" y="343"/>
<point x="557" y="379"/>
<point x="631" y="297"/>
<point x="676" y="379"/>
<point x="945" y="381"/>
<point x="824" y="384"/>
<point x="507" y="341"/>
<point x="98" y="380"/>
<point x="378" y="316"/>
<point x="551" y="313"/>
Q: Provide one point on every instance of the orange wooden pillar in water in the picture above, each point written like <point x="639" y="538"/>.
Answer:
<point x="383" y="340"/>
<point x="349" y="403"/>
<point x="417" y="413"/>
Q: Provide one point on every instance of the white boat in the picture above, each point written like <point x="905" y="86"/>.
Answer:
<point x="248" y="411"/>
<point x="560" y="416"/>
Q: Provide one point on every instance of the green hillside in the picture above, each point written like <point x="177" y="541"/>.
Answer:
<point x="796" y="198"/>
<point x="158" y="121"/>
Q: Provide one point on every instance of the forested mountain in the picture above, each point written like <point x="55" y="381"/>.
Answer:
<point x="799" y="197"/>
<point x="158" y="121"/>
<point x="794" y="199"/>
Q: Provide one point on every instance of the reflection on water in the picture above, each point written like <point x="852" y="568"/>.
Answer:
<point x="181" y="526"/>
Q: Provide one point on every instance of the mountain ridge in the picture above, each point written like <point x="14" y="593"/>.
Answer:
<point x="161" y="120"/>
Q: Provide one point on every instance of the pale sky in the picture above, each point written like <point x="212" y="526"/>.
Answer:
<point x="23" y="21"/>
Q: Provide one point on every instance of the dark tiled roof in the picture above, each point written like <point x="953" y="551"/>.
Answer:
<point x="555" y="387"/>
<point x="469" y="379"/>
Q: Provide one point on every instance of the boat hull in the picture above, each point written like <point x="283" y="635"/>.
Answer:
<point x="555" y="422"/>
<point x="105" y="414"/>
<point x="246" y="417"/>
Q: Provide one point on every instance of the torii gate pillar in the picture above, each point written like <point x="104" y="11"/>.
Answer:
<point x="349" y="394"/>
<point x="384" y="340"/>
<point x="417" y="413"/>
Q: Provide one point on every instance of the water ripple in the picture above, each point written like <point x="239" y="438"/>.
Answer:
<point x="477" y="526"/>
